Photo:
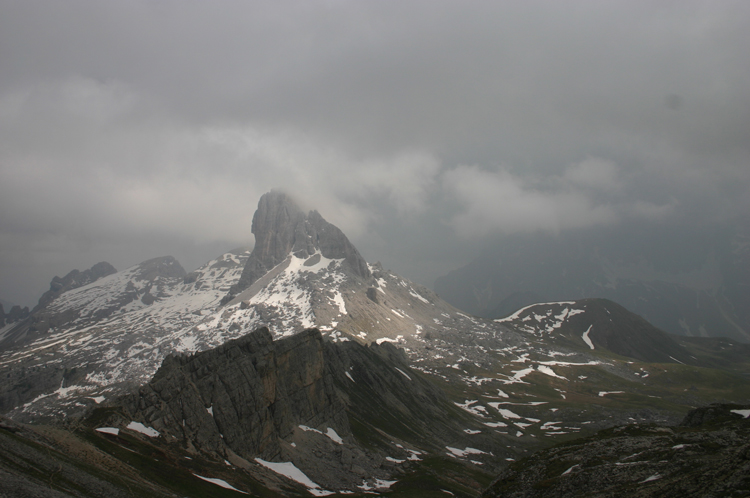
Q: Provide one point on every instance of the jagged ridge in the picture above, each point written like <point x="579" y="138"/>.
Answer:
<point x="280" y="228"/>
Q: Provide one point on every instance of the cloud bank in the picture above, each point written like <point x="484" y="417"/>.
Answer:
<point x="135" y="129"/>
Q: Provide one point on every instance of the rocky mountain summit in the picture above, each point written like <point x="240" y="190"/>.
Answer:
<point x="73" y="280"/>
<point x="15" y="314"/>
<point x="111" y="334"/>
<point x="95" y="341"/>
<point x="107" y="335"/>
<point x="281" y="228"/>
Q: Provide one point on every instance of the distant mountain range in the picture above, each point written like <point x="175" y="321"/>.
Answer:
<point x="689" y="286"/>
<point x="298" y="368"/>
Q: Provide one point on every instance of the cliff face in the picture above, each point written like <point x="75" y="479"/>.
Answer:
<point x="293" y="400"/>
<point x="246" y="395"/>
<point x="282" y="228"/>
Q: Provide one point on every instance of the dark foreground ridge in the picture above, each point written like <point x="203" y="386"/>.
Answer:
<point x="351" y="418"/>
<point x="708" y="454"/>
<point x="336" y="411"/>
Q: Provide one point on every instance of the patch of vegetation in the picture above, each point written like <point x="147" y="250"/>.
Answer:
<point x="435" y="474"/>
<point x="43" y="464"/>
<point x="172" y="471"/>
<point x="104" y="416"/>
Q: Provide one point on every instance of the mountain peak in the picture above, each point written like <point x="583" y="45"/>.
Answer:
<point x="282" y="228"/>
<point x="73" y="280"/>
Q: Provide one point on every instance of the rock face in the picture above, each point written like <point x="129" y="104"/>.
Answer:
<point x="292" y="400"/>
<point x="254" y="397"/>
<point x="52" y="313"/>
<point x="247" y="395"/>
<point x="281" y="227"/>
<point x="707" y="455"/>
<point x="73" y="280"/>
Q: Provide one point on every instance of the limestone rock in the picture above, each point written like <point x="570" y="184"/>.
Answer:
<point x="73" y="280"/>
<point x="47" y="315"/>
<point x="246" y="395"/>
<point x="281" y="227"/>
<point x="16" y="314"/>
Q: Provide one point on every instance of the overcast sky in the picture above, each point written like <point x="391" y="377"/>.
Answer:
<point x="135" y="129"/>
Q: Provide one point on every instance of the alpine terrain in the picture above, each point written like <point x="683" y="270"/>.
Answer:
<point x="300" y="369"/>
<point x="691" y="286"/>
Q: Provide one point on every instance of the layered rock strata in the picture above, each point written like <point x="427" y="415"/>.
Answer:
<point x="246" y="395"/>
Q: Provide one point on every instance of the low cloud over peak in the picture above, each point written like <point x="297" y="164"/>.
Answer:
<point x="133" y="129"/>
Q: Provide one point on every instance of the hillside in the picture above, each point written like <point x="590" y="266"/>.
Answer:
<point x="708" y="454"/>
<point x="691" y="286"/>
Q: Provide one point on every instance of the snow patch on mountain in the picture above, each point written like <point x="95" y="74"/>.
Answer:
<point x="586" y="338"/>
<point x="125" y="323"/>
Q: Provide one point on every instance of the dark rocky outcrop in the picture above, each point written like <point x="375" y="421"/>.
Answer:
<point x="281" y="227"/>
<point x="15" y="314"/>
<point x="707" y="455"/>
<point x="246" y="395"/>
<point x="258" y="398"/>
<point x="717" y="414"/>
<point x="276" y="400"/>
<point x="73" y="280"/>
<point x="46" y="316"/>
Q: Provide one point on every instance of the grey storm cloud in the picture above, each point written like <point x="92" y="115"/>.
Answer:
<point x="135" y="129"/>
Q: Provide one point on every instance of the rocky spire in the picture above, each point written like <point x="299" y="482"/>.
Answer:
<point x="281" y="227"/>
